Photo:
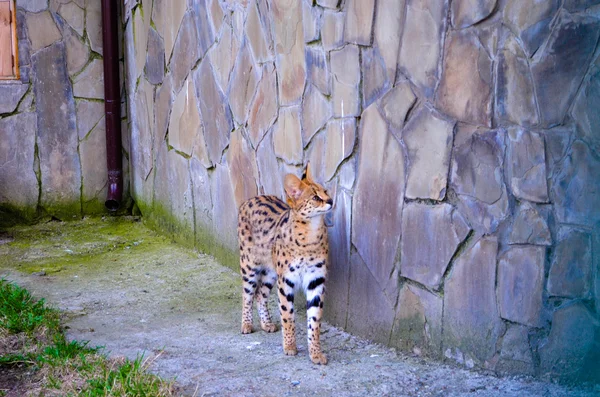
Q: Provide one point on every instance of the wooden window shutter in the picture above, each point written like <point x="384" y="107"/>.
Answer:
<point x="8" y="40"/>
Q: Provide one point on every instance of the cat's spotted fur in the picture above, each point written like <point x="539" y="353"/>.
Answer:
<point x="286" y="244"/>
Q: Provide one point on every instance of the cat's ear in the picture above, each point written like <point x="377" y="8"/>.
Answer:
<point x="306" y="174"/>
<point x="293" y="186"/>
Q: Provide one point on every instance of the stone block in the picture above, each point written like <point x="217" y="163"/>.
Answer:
<point x="89" y="114"/>
<point x="521" y="284"/>
<point x="243" y="84"/>
<point x="570" y="351"/>
<point x="376" y="215"/>
<point x="359" y="21"/>
<point x="328" y="3"/>
<point x="471" y="319"/>
<point x="557" y="79"/>
<point x="476" y="176"/>
<point x="389" y="21"/>
<point x="263" y="111"/>
<point x="526" y="166"/>
<point x="162" y="108"/>
<point x="424" y="227"/>
<point x="311" y="20"/>
<point x="73" y="15"/>
<point x="318" y="69"/>
<point x="19" y="188"/>
<point x="530" y="227"/>
<point x="262" y="49"/>
<point x="289" y="50"/>
<point x="465" y="87"/>
<point x="92" y="153"/>
<point x="138" y="45"/>
<point x="185" y="50"/>
<point x="515" y="95"/>
<point x="33" y="5"/>
<point x="78" y="53"/>
<point x="213" y="110"/>
<point x="585" y="108"/>
<point x="579" y="5"/>
<point x="202" y="198"/>
<point x="418" y="322"/>
<point x="10" y="96"/>
<point x="374" y="76"/>
<point x="271" y="180"/>
<point x="243" y="170"/>
<point x="42" y="30"/>
<point x="56" y="133"/>
<point x="93" y="24"/>
<point x="224" y="226"/>
<point x="345" y="67"/>
<point x="396" y="104"/>
<point x="167" y="17"/>
<point x="370" y="313"/>
<point x="530" y="21"/>
<point x="155" y="60"/>
<point x="574" y="189"/>
<point x="143" y="139"/>
<point x="336" y="305"/>
<point x="316" y="111"/>
<point x="223" y="55"/>
<point x="515" y="355"/>
<point x="216" y="15"/>
<point x="204" y="31"/>
<point x="287" y="135"/>
<point x="468" y="12"/>
<point x="330" y="147"/>
<point x="428" y="138"/>
<point x="90" y="82"/>
<point x="571" y="270"/>
<point x="185" y="123"/>
<point x="332" y="31"/>
<point x="420" y="49"/>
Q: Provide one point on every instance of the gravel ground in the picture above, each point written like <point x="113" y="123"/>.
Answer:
<point x="134" y="292"/>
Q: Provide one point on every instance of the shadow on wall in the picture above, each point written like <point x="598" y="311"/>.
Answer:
<point x="463" y="158"/>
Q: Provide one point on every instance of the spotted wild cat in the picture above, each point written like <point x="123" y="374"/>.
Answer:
<point x="287" y="244"/>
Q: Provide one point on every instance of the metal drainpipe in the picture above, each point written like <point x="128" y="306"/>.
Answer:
<point x="112" y="104"/>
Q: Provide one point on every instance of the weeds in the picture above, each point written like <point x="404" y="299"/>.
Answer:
<point x="42" y="362"/>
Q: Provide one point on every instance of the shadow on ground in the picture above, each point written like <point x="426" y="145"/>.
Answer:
<point x="135" y="292"/>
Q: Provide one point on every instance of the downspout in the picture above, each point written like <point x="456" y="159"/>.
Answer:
<point x="112" y="104"/>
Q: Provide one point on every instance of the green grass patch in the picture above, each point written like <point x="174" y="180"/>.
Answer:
<point x="36" y="358"/>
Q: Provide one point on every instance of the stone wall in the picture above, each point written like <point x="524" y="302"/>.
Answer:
<point x="461" y="141"/>
<point x="52" y="131"/>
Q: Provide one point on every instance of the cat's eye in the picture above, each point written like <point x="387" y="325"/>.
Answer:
<point x="317" y="198"/>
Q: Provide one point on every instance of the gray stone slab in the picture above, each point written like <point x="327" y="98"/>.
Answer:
<point x="516" y="356"/>
<point x="242" y="87"/>
<point x="316" y="111"/>
<point x="90" y="82"/>
<point x="571" y="270"/>
<point x="530" y="20"/>
<point x="585" y="108"/>
<point x="375" y="215"/>
<point x="375" y="82"/>
<point x="521" y="284"/>
<point x="263" y="111"/>
<point x="19" y="188"/>
<point x="317" y="69"/>
<point x="56" y="133"/>
<point x="423" y="227"/>
<point x="243" y="171"/>
<point x="468" y="12"/>
<point x="33" y="5"/>
<point x="530" y="226"/>
<point x="155" y="60"/>
<point x="471" y="318"/>
<point x="186" y="50"/>
<point x="330" y="147"/>
<point x="526" y="165"/>
<point x="359" y="21"/>
<point x="10" y="96"/>
<point x="557" y="79"/>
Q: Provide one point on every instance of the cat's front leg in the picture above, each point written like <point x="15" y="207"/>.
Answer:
<point x="315" y="289"/>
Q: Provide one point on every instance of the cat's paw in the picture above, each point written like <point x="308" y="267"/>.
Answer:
<point x="269" y="327"/>
<point x="290" y="350"/>
<point x="318" y="358"/>
<point x="246" y="328"/>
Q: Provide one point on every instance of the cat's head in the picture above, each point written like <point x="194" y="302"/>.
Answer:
<point x="305" y="196"/>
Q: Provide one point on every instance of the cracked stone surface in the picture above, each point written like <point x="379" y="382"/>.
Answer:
<point x="521" y="284"/>
<point x="359" y="21"/>
<point x="287" y="135"/>
<point x="526" y="165"/>
<point x="332" y="30"/>
<point x="155" y="60"/>
<point x="429" y="225"/>
<point x="89" y="83"/>
<point x="530" y="20"/>
<point x="330" y="147"/>
<point x="428" y="139"/>
<point x="263" y="111"/>
<point x="185" y="123"/>
<point x="316" y="111"/>
<point x="389" y="19"/>
<point x="571" y="269"/>
<point x="42" y="30"/>
<point x="397" y="103"/>
<point x="465" y="87"/>
<point x="318" y="69"/>
<point x="243" y="171"/>
<point x="10" y="96"/>
<point x="476" y="177"/>
<point x="374" y="76"/>
<point x="471" y="318"/>
<point x="345" y="68"/>
<point x="376" y="215"/>
<point x="468" y="12"/>
<point x="244" y="80"/>
<point x="516" y="356"/>
<point x="530" y="226"/>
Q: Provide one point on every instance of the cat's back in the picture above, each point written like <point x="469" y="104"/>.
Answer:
<point x="258" y="218"/>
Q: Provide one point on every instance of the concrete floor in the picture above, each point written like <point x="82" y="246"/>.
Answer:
<point x="134" y="292"/>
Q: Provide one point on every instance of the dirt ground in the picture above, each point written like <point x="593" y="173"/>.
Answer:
<point x="134" y="292"/>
